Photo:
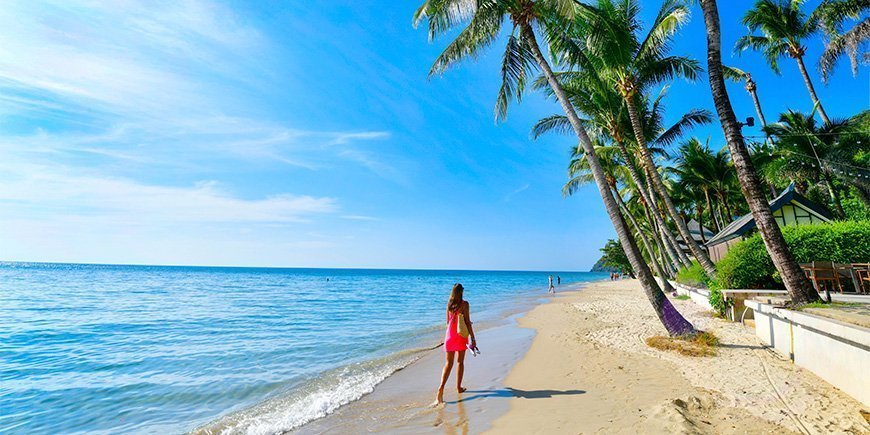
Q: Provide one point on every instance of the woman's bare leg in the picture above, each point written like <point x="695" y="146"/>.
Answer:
<point x="460" y="370"/>
<point x="448" y="365"/>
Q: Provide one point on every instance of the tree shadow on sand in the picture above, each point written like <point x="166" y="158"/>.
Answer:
<point x="513" y="392"/>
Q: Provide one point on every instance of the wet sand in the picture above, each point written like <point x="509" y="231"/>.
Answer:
<point x="403" y="403"/>
<point x="579" y="364"/>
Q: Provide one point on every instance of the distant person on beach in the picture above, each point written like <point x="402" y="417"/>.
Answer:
<point x="456" y="339"/>
<point x="558" y="280"/>
<point x="550" y="288"/>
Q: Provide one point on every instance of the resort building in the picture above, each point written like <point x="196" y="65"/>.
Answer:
<point x="699" y="233"/>
<point x="789" y="208"/>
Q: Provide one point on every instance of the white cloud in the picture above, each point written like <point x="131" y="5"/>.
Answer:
<point x="43" y="194"/>
<point x="124" y="115"/>
<point x="155" y="82"/>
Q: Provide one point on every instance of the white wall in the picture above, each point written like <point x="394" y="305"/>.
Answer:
<point x="835" y="351"/>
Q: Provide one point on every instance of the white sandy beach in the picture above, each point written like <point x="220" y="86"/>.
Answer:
<point x="593" y="340"/>
<point x="587" y="370"/>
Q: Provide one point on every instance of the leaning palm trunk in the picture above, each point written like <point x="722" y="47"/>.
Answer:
<point x="674" y="264"/>
<point x="713" y="216"/>
<point x="835" y="196"/>
<point x="671" y="241"/>
<point x="656" y="179"/>
<point x="672" y="320"/>
<point x="799" y="57"/>
<point x="652" y="257"/>
<point x="799" y="288"/>
<point x="752" y="88"/>
<point x="638" y="181"/>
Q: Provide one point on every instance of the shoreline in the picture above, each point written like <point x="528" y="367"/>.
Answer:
<point x="402" y="403"/>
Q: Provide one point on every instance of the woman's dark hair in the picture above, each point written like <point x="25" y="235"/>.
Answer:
<point x="455" y="302"/>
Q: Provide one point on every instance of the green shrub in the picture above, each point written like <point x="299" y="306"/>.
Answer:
<point x="717" y="299"/>
<point x="692" y="276"/>
<point x="747" y="265"/>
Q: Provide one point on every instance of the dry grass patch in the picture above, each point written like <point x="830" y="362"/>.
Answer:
<point x="700" y="344"/>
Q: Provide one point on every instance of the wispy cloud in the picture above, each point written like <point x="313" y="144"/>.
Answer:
<point x="138" y="124"/>
<point x="40" y="194"/>
<point x="516" y="191"/>
<point x="356" y="217"/>
<point x="170" y="83"/>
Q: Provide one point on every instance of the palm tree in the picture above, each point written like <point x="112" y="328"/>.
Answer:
<point x="484" y="21"/>
<point x="737" y="74"/>
<point x="634" y="65"/>
<point x="784" y="26"/>
<point x="592" y="95"/>
<point x="832" y="14"/>
<point x="695" y="167"/>
<point x="615" y="170"/>
<point x="799" y="288"/>
<point x="811" y="152"/>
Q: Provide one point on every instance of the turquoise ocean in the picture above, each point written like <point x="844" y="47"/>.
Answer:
<point x="165" y="349"/>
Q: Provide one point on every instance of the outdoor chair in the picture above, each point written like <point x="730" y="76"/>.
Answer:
<point x="823" y="274"/>
<point x="862" y="272"/>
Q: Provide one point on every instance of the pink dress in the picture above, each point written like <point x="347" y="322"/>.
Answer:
<point x="453" y="342"/>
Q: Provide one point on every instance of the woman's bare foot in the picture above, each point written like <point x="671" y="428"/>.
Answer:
<point x="461" y="389"/>
<point x="439" y="398"/>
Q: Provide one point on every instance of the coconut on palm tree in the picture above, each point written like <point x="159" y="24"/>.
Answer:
<point x="483" y="20"/>
<point x="784" y="27"/>
<point x="797" y="285"/>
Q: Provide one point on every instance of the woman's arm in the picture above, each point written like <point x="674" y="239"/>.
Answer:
<point x="468" y="323"/>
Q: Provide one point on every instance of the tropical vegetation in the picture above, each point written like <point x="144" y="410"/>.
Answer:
<point x="609" y="75"/>
<point x="747" y="265"/>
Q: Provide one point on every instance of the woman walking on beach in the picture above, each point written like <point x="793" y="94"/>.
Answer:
<point x="456" y="339"/>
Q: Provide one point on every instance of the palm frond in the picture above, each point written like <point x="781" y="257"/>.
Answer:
<point x="443" y="15"/>
<point x="671" y="15"/>
<point x="516" y="65"/>
<point x="480" y="32"/>
<point x="848" y="44"/>
<point x="732" y="73"/>
<point x="690" y="119"/>
<point x="558" y="124"/>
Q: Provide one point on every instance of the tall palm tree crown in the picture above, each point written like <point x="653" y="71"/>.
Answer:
<point x="485" y="19"/>
<point x="784" y="27"/>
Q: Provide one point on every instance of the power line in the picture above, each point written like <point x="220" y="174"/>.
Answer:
<point x="830" y="164"/>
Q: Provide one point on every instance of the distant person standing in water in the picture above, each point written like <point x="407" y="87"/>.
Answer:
<point x="550" y="288"/>
<point x="456" y="339"/>
<point x="558" y="280"/>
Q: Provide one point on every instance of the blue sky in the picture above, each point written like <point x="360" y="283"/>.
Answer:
<point x="298" y="134"/>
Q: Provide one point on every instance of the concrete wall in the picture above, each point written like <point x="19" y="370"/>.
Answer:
<point x="699" y="296"/>
<point x="835" y="351"/>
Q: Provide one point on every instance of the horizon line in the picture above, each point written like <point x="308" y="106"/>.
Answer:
<point x="2" y="262"/>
